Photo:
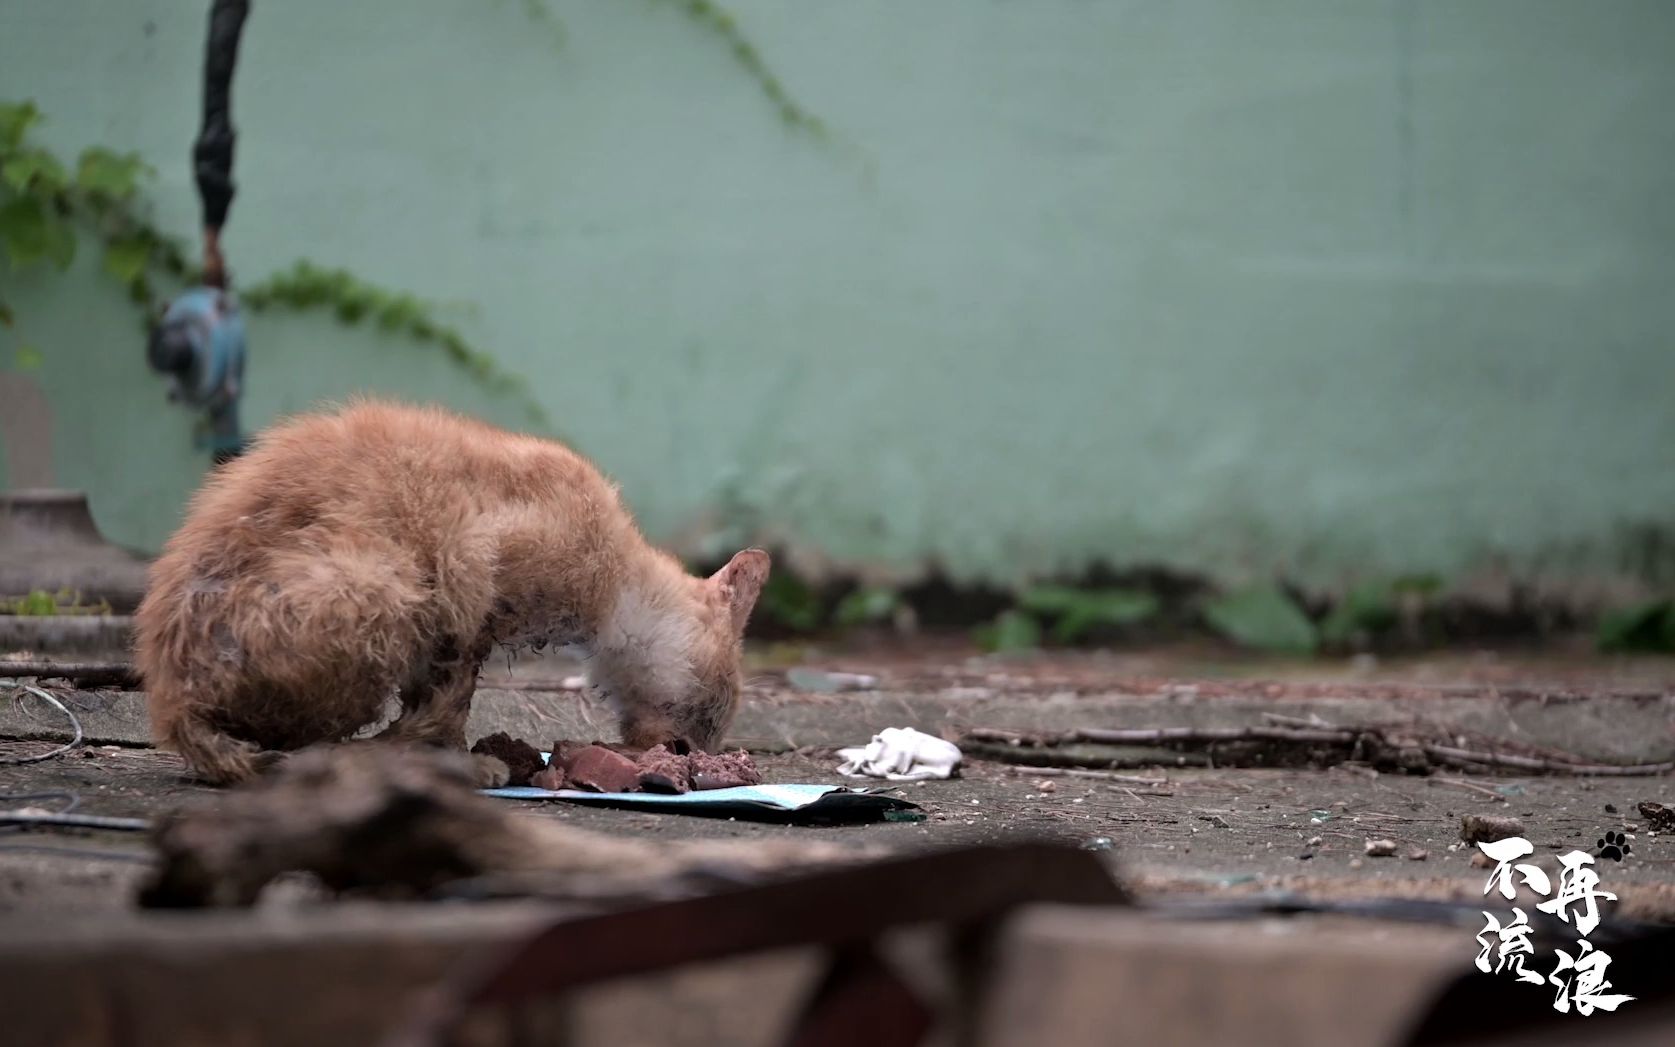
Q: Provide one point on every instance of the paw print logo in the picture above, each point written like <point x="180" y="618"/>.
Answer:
<point x="1614" y="846"/>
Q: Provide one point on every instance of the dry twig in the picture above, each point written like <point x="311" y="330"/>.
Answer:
<point x="1077" y="772"/>
<point x="1473" y="786"/>
<point x="1409" y="753"/>
<point x="83" y="674"/>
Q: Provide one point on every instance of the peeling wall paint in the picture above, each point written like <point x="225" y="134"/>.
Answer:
<point x="1304" y="287"/>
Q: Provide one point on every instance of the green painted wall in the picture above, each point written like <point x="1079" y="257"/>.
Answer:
<point x="1318" y="286"/>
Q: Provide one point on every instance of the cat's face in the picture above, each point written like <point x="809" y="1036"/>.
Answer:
<point x="704" y="710"/>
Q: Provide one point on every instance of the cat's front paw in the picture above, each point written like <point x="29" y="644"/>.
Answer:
<point x="491" y="772"/>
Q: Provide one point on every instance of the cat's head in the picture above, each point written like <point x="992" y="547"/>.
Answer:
<point x="709" y="693"/>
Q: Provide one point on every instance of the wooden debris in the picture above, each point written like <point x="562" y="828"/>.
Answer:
<point x="119" y="675"/>
<point x="1077" y="772"/>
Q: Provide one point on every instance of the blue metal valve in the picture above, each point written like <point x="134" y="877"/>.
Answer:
<point x="199" y="346"/>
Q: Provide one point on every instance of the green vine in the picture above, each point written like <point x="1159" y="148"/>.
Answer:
<point x="354" y="301"/>
<point x="715" y="19"/>
<point x="719" y="22"/>
<point x="45" y="204"/>
<point x="539" y="12"/>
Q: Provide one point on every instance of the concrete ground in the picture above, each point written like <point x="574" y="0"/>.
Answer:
<point x="1170" y="828"/>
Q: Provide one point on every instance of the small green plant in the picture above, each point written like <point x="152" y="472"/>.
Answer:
<point x="1011" y="632"/>
<point x="790" y="602"/>
<point x="35" y="604"/>
<point x="38" y="603"/>
<point x="1076" y="613"/>
<point x="866" y="606"/>
<point x="1072" y="614"/>
<point x="1263" y="617"/>
<point x="1373" y="608"/>
<point x="1645" y="628"/>
<point x="1364" y="611"/>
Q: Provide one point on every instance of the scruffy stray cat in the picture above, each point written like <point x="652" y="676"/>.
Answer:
<point x="384" y="549"/>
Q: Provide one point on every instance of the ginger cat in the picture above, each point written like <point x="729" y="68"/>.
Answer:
<point x="385" y="550"/>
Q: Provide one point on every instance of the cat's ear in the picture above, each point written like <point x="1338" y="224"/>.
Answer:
<point x="740" y="583"/>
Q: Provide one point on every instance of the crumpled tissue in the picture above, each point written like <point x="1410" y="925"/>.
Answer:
<point x="901" y="754"/>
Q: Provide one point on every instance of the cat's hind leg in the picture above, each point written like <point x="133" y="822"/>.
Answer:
<point x="215" y="756"/>
<point x="436" y="704"/>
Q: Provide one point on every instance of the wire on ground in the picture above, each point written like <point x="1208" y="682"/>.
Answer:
<point x="47" y="697"/>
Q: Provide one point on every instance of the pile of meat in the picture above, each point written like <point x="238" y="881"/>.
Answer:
<point x="601" y="768"/>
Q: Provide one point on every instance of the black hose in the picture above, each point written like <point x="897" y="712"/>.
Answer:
<point x="212" y="154"/>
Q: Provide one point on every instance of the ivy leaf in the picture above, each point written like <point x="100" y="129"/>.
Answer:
<point x="27" y="358"/>
<point x="1263" y="617"/>
<point x="33" y="166"/>
<point x="125" y="258"/>
<point x="115" y="175"/>
<point x="61" y="242"/>
<point x="15" y="119"/>
<point x="31" y="234"/>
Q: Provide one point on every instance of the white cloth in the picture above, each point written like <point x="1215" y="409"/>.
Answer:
<point x="901" y="754"/>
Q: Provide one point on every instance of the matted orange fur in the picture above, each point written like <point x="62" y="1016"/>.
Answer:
<point x="384" y="550"/>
